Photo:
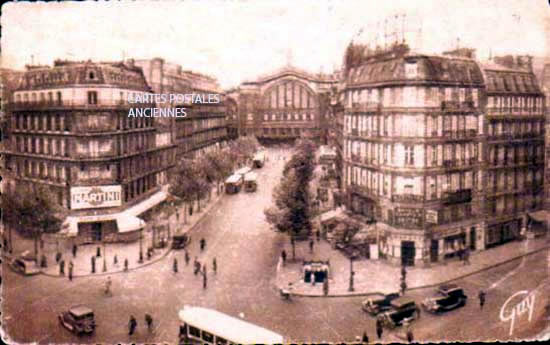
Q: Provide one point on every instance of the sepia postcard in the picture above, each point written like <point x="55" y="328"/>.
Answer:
<point x="275" y="172"/>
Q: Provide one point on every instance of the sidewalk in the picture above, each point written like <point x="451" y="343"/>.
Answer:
<point x="379" y="277"/>
<point x="129" y="251"/>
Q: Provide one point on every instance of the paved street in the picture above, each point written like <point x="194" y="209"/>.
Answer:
<point x="247" y="252"/>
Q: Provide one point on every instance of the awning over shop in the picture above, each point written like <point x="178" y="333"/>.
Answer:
<point x="127" y="222"/>
<point x="539" y="216"/>
<point x="146" y="204"/>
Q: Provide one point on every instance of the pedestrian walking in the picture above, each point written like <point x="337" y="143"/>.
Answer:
<point x="214" y="265"/>
<point x="62" y="267"/>
<point x="115" y="260"/>
<point x="379" y="328"/>
<point x="74" y="250"/>
<point x="175" y="265"/>
<point x="93" y="264"/>
<point x="410" y="337"/>
<point x="318" y="234"/>
<point x="149" y="321"/>
<point x="108" y="284"/>
<point x="365" y="338"/>
<point x="467" y="257"/>
<point x="98" y="252"/>
<point x="203" y="244"/>
<point x="283" y="256"/>
<point x="481" y="296"/>
<point x="71" y="266"/>
<point x="204" y="280"/>
<point x="311" y="246"/>
<point x="132" y="324"/>
<point x="125" y="265"/>
<point x="186" y="258"/>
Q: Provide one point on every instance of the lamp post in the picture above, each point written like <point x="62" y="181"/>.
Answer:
<point x="140" y="245"/>
<point x="104" y="256"/>
<point x="351" y="274"/>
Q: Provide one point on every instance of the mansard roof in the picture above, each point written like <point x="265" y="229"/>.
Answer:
<point x="69" y="74"/>
<point x="436" y="69"/>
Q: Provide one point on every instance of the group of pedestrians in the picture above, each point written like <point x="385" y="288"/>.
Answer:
<point x="132" y="324"/>
<point x="198" y="268"/>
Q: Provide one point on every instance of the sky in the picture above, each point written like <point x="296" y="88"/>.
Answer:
<point x="237" y="40"/>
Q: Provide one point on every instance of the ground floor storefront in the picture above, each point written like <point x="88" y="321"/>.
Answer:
<point x="100" y="226"/>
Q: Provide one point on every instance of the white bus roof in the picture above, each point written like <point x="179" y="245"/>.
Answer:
<point x="251" y="176"/>
<point x="242" y="171"/>
<point x="259" y="155"/>
<point x="233" y="179"/>
<point x="230" y="328"/>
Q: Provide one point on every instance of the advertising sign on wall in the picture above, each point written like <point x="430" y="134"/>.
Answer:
<point x="95" y="197"/>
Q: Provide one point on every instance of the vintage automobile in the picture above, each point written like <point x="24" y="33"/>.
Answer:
<point x="448" y="297"/>
<point x="374" y="306"/>
<point x="24" y="266"/>
<point x="401" y="309"/>
<point x="180" y="241"/>
<point x="78" y="319"/>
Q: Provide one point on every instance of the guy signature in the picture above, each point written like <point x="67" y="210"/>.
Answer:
<point x="509" y="312"/>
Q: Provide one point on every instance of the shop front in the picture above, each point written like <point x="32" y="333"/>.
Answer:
<point x="501" y="233"/>
<point x="537" y="223"/>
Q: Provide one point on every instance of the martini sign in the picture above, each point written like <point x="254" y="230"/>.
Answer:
<point x="95" y="197"/>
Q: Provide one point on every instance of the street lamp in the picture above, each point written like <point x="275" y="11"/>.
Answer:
<point x="140" y="245"/>
<point x="104" y="256"/>
<point x="351" y="274"/>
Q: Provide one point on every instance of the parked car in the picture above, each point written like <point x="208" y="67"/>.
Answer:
<point x="24" y="266"/>
<point x="180" y="241"/>
<point x="78" y="319"/>
<point x="401" y="309"/>
<point x="448" y="297"/>
<point x="376" y="305"/>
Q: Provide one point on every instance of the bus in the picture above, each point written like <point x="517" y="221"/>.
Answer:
<point x="259" y="159"/>
<point x="208" y="326"/>
<point x="250" y="182"/>
<point x="233" y="184"/>
<point x="242" y="171"/>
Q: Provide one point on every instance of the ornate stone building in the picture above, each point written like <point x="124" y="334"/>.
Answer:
<point x="204" y="128"/>
<point x="70" y="131"/>
<point x="423" y="141"/>
<point x="284" y="105"/>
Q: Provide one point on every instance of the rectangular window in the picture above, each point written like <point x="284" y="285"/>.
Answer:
<point x="92" y="97"/>
<point x="409" y="155"/>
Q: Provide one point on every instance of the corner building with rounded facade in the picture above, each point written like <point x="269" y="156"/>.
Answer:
<point x="71" y="131"/>
<point x="419" y="152"/>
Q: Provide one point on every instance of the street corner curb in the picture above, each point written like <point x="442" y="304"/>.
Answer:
<point x="99" y="274"/>
<point x="485" y="268"/>
<point x="355" y="294"/>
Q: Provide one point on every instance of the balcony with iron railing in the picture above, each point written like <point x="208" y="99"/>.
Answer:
<point x="457" y="197"/>
<point x="80" y="104"/>
<point x="408" y="198"/>
<point x="457" y="106"/>
<point x="359" y="107"/>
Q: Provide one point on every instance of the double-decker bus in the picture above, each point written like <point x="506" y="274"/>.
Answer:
<point x="208" y="326"/>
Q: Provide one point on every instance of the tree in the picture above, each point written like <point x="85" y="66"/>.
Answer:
<point x="292" y="197"/>
<point x="182" y="183"/>
<point x="221" y="165"/>
<point x="31" y="211"/>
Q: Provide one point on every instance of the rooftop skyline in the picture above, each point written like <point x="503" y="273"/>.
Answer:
<point x="237" y="41"/>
